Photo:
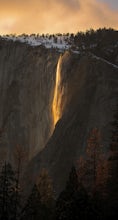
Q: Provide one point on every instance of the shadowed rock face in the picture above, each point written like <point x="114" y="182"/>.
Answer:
<point x="89" y="100"/>
<point x="88" y="90"/>
<point x="27" y="77"/>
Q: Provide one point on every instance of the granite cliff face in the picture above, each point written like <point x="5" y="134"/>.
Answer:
<point x="38" y="85"/>
<point x="27" y="77"/>
<point x="90" y="92"/>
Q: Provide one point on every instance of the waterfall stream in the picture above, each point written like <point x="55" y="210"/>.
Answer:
<point x="56" y="106"/>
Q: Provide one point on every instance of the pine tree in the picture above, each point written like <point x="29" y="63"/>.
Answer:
<point x="7" y="192"/>
<point x="19" y="158"/>
<point x="33" y="207"/>
<point x="45" y="187"/>
<point x="102" y="178"/>
<point x="82" y="171"/>
<point x="114" y="138"/>
<point x="113" y="168"/>
<point x="72" y="202"/>
<point x="94" y="156"/>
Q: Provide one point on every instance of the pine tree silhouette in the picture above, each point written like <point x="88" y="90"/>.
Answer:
<point x="7" y="192"/>
<point x="113" y="168"/>
<point x="73" y="201"/>
<point x="33" y="209"/>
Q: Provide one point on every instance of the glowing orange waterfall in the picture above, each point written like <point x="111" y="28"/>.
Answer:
<point x="56" y="108"/>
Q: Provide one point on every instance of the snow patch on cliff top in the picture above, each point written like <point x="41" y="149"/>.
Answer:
<point x="55" y="41"/>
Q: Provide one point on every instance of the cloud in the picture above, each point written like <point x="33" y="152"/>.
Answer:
<point x="52" y="16"/>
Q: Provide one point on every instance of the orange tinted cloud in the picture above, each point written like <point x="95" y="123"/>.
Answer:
<point x="52" y="16"/>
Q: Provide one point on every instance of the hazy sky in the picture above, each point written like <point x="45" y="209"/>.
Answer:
<point x="53" y="16"/>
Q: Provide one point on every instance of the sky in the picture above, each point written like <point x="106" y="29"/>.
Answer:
<point x="56" y="16"/>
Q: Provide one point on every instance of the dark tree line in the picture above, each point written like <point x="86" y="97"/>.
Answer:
<point x="40" y="203"/>
<point x="113" y="168"/>
<point x="103" y="36"/>
<point x="91" y="191"/>
<point x="9" y="194"/>
<point x="102" y="42"/>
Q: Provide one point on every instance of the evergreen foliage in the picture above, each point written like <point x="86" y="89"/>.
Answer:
<point x="33" y="207"/>
<point x="45" y="188"/>
<point x="7" y="193"/>
<point x="113" y="169"/>
<point x="73" y="201"/>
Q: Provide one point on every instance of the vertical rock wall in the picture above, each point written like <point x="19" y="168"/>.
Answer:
<point x="27" y="78"/>
<point x="90" y="91"/>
